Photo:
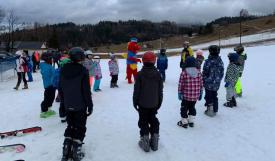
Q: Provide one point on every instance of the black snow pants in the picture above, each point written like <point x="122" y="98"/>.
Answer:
<point x="148" y="122"/>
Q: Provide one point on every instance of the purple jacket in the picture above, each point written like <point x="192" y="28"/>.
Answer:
<point x="113" y="67"/>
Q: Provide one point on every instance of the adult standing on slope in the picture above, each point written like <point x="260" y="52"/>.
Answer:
<point x="187" y="51"/>
<point x="132" y="59"/>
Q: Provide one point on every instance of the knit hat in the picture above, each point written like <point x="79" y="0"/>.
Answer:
<point x="190" y="62"/>
<point x="199" y="53"/>
<point x="149" y="57"/>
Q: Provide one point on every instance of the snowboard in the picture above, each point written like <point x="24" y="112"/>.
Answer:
<point x="20" y="132"/>
<point x="18" y="148"/>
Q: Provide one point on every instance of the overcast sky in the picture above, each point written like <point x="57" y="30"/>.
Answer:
<point x="93" y="11"/>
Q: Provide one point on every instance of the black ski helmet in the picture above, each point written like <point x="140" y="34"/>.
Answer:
<point x="239" y="49"/>
<point x="233" y="57"/>
<point x="162" y="51"/>
<point x="214" y="50"/>
<point x="47" y="56"/>
<point x="76" y="54"/>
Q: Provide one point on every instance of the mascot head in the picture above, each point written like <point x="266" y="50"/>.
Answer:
<point x="133" y="46"/>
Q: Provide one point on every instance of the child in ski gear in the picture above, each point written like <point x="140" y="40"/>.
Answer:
<point x="132" y="59"/>
<point x="88" y="64"/>
<point x="114" y="70"/>
<point x="76" y="94"/>
<point x="48" y="73"/>
<point x="21" y="69"/>
<point x="30" y="66"/>
<point x="147" y="99"/>
<point x="186" y="52"/>
<point x="242" y="58"/>
<point x="56" y="84"/>
<point x="162" y="63"/>
<point x="199" y="58"/>
<point x="213" y="71"/>
<point x="231" y="77"/>
<point x="97" y="73"/>
<point x="190" y="85"/>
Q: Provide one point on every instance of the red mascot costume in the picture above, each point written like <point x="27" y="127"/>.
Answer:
<point x="132" y="59"/>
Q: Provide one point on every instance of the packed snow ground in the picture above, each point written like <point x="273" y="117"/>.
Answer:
<point x="244" y="133"/>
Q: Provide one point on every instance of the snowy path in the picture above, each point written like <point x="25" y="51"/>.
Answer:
<point x="245" y="133"/>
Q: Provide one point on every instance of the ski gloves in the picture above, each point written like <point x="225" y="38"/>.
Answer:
<point x="90" y="110"/>
<point x="180" y="96"/>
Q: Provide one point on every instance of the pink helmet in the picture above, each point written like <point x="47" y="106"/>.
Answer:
<point x="199" y="53"/>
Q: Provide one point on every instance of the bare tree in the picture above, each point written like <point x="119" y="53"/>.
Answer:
<point x="12" y="20"/>
<point x="2" y="16"/>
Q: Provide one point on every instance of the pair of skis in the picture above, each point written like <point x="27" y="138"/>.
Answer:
<point x="18" y="148"/>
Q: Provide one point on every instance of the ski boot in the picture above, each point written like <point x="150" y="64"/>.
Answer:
<point x="144" y="143"/>
<point x="16" y="87"/>
<point x="67" y="148"/>
<point x="112" y="85"/>
<point x="210" y="111"/>
<point x="183" y="123"/>
<point x="25" y="86"/>
<point x="154" y="142"/>
<point x="234" y="102"/>
<point x="63" y="119"/>
<point x="229" y="103"/>
<point x="191" y="120"/>
<point x="77" y="153"/>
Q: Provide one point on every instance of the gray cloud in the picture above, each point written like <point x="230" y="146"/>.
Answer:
<point x="92" y="11"/>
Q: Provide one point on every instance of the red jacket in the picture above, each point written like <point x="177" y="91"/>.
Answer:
<point x="190" y="84"/>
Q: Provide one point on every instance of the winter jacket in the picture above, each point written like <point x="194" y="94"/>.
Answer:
<point x="21" y="64"/>
<point x="162" y="62"/>
<point x="184" y="54"/>
<point x="232" y="73"/>
<point x="148" y="88"/>
<point x="241" y="60"/>
<point x="56" y="78"/>
<point x="113" y="67"/>
<point x="213" y="71"/>
<point x="97" y="70"/>
<point x="75" y="90"/>
<point x="48" y="72"/>
<point x="88" y="64"/>
<point x="29" y="63"/>
<point x="190" y="84"/>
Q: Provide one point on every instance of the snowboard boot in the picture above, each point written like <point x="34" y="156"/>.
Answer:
<point x="210" y="111"/>
<point x="16" y="87"/>
<point x="43" y="115"/>
<point x="67" y="148"/>
<point x="183" y="123"/>
<point x="234" y="102"/>
<point x="154" y="142"/>
<point x="25" y="86"/>
<point x="115" y="84"/>
<point x="144" y="143"/>
<point x="229" y="103"/>
<point x="191" y="120"/>
<point x="77" y="153"/>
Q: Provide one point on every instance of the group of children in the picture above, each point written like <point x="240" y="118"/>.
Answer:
<point x="76" y="73"/>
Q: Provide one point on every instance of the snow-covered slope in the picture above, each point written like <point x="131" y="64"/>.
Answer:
<point x="245" y="133"/>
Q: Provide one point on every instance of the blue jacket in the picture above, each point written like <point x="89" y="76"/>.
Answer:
<point x="162" y="62"/>
<point x="213" y="71"/>
<point x="56" y="78"/>
<point x="48" y="73"/>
